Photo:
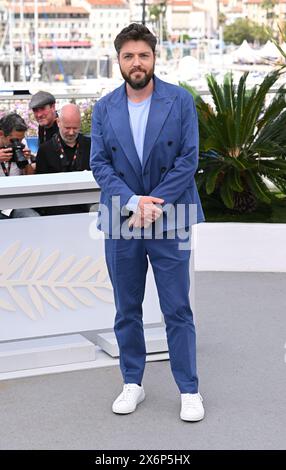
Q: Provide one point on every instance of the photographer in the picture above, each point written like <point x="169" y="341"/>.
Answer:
<point x="14" y="156"/>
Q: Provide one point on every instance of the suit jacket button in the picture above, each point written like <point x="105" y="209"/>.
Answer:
<point x="170" y="142"/>
<point x="121" y="174"/>
<point x="113" y="149"/>
<point x="163" y="169"/>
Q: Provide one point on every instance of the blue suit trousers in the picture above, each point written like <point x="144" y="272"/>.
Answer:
<point x="127" y="265"/>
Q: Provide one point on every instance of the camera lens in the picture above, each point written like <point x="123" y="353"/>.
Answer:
<point x="18" y="155"/>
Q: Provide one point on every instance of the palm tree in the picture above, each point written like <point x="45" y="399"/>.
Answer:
<point x="275" y="41"/>
<point x="269" y="7"/>
<point x="157" y="13"/>
<point x="242" y="142"/>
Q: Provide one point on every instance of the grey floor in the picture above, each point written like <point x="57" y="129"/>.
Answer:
<point x="241" y="329"/>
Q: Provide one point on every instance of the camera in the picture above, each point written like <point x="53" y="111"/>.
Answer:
<point x="18" y="155"/>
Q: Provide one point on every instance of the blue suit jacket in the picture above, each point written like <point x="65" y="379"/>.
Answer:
<point x="170" y="156"/>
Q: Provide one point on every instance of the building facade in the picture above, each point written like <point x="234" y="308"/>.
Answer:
<point x="106" y="19"/>
<point x="61" y="26"/>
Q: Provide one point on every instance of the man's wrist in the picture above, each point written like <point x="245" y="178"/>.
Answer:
<point x="132" y="203"/>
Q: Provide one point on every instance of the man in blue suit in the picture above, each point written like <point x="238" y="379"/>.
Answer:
<point x="144" y="156"/>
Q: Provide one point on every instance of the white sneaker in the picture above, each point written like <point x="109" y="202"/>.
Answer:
<point x="192" y="407"/>
<point x="128" y="399"/>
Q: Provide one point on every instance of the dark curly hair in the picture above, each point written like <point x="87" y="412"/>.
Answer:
<point x="135" y="32"/>
<point x="12" y="122"/>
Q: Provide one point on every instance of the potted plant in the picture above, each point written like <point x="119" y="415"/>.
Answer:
<point x="242" y="142"/>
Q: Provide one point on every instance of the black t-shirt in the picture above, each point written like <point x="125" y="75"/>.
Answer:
<point x="46" y="133"/>
<point x="69" y="153"/>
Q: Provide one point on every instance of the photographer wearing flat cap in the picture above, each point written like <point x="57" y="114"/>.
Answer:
<point x="43" y="105"/>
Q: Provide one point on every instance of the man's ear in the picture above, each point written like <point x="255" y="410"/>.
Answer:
<point x="1" y="133"/>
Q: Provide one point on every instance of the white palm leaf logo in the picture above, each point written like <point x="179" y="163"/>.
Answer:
<point x="49" y="280"/>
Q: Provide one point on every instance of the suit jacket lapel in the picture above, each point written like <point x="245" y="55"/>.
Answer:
<point x="119" y="117"/>
<point x="159" y="109"/>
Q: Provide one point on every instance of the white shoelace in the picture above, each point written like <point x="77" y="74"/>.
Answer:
<point x="192" y="400"/>
<point x="128" y="390"/>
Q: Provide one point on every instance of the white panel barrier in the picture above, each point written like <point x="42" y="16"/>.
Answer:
<point x="54" y="280"/>
<point x="55" y="189"/>
<point x="240" y="247"/>
<point x="53" y="276"/>
<point x="45" y="352"/>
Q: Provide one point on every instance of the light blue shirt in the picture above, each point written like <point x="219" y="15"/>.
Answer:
<point x="138" y="117"/>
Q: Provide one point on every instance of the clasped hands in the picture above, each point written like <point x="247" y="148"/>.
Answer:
<point x="147" y="212"/>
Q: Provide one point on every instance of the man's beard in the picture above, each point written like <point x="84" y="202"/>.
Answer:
<point x="138" y="85"/>
<point x="69" y="139"/>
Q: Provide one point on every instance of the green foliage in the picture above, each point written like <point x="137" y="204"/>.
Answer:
<point x="157" y="10"/>
<point x="268" y="4"/>
<point x="244" y="29"/>
<point x="265" y="213"/>
<point x="185" y="38"/>
<point x="222" y="18"/>
<point x="282" y="32"/>
<point x="86" y="120"/>
<point x="242" y="142"/>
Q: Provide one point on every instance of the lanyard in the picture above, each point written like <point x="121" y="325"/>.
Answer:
<point x="5" y="169"/>
<point x="63" y="152"/>
<point x="45" y="130"/>
<point x="45" y="134"/>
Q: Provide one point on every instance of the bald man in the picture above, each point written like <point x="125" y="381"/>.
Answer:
<point x="66" y="151"/>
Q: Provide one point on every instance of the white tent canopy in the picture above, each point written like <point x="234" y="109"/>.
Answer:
<point x="269" y="51"/>
<point x="245" y="54"/>
<point x="188" y="66"/>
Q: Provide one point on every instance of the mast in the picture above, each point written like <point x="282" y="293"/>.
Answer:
<point x="22" y="40"/>
<point x="11" y="46"/>
<point x="36" y="39"/>
<point x="143" y="12"/>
